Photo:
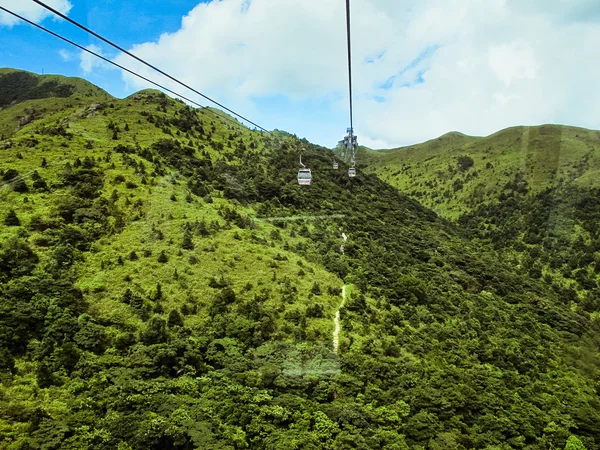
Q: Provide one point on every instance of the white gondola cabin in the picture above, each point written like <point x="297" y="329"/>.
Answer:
<point x="304" y="177"/>
<point x="336" y="166"/>
<point x="351" y="172"/>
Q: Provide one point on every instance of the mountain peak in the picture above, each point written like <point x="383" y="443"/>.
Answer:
<point x="17" y="86"/>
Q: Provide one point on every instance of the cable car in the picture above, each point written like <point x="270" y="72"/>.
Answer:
<point x="304" y="177"/>
<point x="351" y="172"/>
<point x="336" y="166"/>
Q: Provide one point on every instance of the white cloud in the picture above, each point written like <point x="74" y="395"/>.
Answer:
<point x="512" y="62"/>
<point x="89" y="62"/>
<point x="31" y="10"/>
<point x="65" y="55"/>
<point x="422" y="68"/>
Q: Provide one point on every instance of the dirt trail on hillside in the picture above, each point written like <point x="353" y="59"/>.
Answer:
<point x="336" y="321"/>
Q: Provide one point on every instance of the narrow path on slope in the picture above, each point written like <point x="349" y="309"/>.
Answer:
<point x="336" y="321"/>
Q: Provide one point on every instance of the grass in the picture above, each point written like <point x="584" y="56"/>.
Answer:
<point x="545" y="155"/>
<point x="246" y="258"/>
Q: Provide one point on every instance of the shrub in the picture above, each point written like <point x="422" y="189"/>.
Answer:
<point x="465" y="163"/>
<point x="316" y="289"/>
<point x="175" y="319"/>
<point x="163" y="258"/>
<point x="187" y="243"/>
<point x="11" y="219"/>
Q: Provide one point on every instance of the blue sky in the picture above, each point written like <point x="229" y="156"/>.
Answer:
<point x="130" y="23"/>
<point x="126" y="23"/>
<point x="422" y="68"/>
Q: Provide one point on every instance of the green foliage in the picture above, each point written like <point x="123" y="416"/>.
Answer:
<point x="465" y="163"/>
<point x="175" y="319"/>
<point x="163" y="258"/>
<point x="19" y="86"/>
<point x="446" y="342"/>
<point x="11" y="219"/>
<point x="16" y="259"/>
<point x="187" y="243"/>
<point x="316" y="289"/>
<point x="155" y="332"/>
<point x="573" y="443"/>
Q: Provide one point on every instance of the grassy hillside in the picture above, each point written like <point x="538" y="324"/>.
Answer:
<point x="148" y="300"/>
<point x="17" y="86"/>
<point x="528" y="191"/>
<point x="31" y="96"/>
<point x="542" y="156"/>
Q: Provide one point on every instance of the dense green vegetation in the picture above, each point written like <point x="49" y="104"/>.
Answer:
<point x="434" y="172"/>
<point x="144" y="304"/>
<point x="530" y="192"/>
<point x="17" y="86"/>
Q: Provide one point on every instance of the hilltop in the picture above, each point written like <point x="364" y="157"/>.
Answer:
<point x="151" y="299"/>
<point x="531" y="192"/>
<point x="30" y="96"/>
<point x="17" y="86"/>
<point x="541" y="156"/>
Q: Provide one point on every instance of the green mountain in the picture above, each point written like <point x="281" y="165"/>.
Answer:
<point x="531" y="192"/>
<point x="455" y="174"/>
<point x="31" y="96"/>
<point x="166" y="284"/>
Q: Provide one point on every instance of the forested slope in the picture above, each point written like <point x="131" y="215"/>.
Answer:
<point x="454" y="174"/>
<point x="530" y="192"/>
<point x="145" y="305"/>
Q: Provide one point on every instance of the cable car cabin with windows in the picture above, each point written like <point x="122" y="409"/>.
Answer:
<point x="352" y="172"/>
<point x="304" y="177"/>
<point x="336" y="166"/>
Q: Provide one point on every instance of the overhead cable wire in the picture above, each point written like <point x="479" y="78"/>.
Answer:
<point x="160" y="86"/>
<point x="100" y="56"/>
<point x="349" y="60"/>
<point x="121" y="49"/>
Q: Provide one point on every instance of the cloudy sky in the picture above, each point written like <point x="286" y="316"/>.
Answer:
<point x="422" y="67"/>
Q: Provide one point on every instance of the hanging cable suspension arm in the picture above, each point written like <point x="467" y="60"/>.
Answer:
<point x="121" y="49"/>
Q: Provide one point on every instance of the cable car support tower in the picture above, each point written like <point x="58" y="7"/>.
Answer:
<point x="349" y="144"/>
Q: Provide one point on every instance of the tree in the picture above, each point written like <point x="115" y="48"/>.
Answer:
<point x="163" y="258"/>
<point x="574" y="443"/>
<point x="11" y="219"/>
<point x="465" y="163"/>
<point x="7" y="362"/>
<point x="155" y="332"/>
<point x="90" y="336"/>
<point x="38" y="182"/>
<point x="20" y="186"/>
<point x="175" y="319"/>
<point x="315" y="310"/>
<point x="188" y="243"/>
<point x="158" y="295"/>
<point x="17" y="258"/>
<point x="227" y="295"/>
<point x="316" y="289"/>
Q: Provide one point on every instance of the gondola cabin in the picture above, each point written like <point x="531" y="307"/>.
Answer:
<point x="351" y="172"/>
<point x="304" y="177"/>
<point x="336" y="166"/>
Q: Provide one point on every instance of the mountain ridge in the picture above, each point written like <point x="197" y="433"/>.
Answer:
<point x="142" y="306"/>
<point x="499" y="157"/>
